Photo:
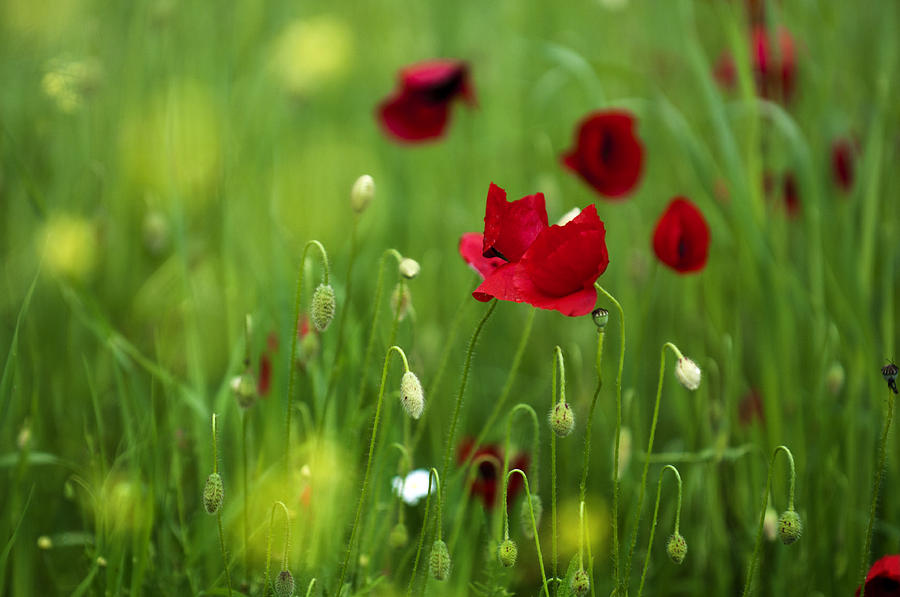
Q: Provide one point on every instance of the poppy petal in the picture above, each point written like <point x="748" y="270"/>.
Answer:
<point x="470" y="248"/>
<point x="681" y="238"/>
<point x="511" y="227"/>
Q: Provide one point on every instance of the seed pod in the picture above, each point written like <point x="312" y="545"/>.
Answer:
<point x="507" y="553"/>
<point x="688" y="373"/>
<point x="213" y="493"/>
<point x="399" y="536"/>
<point x="676" y="548"/>
<point x="538" y="506"/>
<point x="284" y="584"/>
<point x="439" y="561"/>
<point x="601" y="317"/>
<point x="581" y="583"/>
<point x="362" y="194"/>
<point x="789" y="527"/>
<point x="411" y="395"/>
<point x="322" y="308"/>
<point x="562" y="419"/>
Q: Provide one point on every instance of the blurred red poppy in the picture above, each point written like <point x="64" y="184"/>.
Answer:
<point x="420" y="109"/>
<point x="607" y="154"/>
<point x="470" y="248"/>
<point x="487" y="483"/>
<point x="264" y="383"/>
<point x="883" y="579"/>
<point x="843" y="156"/>
<point x="750" y="408"/>
<point x="681" y="238"/>
<point x="774" y="74"/>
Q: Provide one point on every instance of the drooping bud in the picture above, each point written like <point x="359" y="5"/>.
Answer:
<point x="676" y="548"/>
<point x="581" y="583"/>
<point x="770" y="524"/>
<point x="624" y="450"/>
<point x="562" y="419"/>
<point x="688" y="373"/>
<point x="439" y="561"/>
<point x="409" y="268"/>
<point x="507" y="553"/>
<point x="244" y="388"/>
<point x="213" y="493"/>
<point x="538" y="506"/>
<point x="411" y="395"/>
<point x="601" y="317"/>
<point x="362" y="194"/>
<point x="321" y="310"/>
<point x="401" y="301"/>
<point x="399" y="536"/>
<point x="789" y="527"/>
<point x="284" y="584"/>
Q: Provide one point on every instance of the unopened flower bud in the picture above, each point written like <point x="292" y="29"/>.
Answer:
<point x="676" y="548"/>
<point x="688" y="373"/>
<point x="507" y="553"/>
<point x="889" y="372"/>
<point x="363" y="192"/>
<point x="409" y="268"/>
<point x="538" y="506"/>
<point x="601" y="317"/>
<point x="213" y="493"/>
<point x="439" y="561"/>
<point x="284" y="584"/>
<point x="581" y="583"/>
<point x="411" y="395"/>
<point x="101" y="561"/>
<point x="834" y="378"/>
<point x="244" y="389"/>
<point x="399" y="536"/>
<point x="789" y="527"/>
<point x="322" y="308"/>
<point x="562" y="419"/>
<point x="44" y="542"/>
<point x="401" y="301"/>
<point x="770" y="524"/>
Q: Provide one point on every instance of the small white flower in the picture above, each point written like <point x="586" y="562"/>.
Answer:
<point x="568" y="216"/>
<point x="409" y="268"/>
<point x="413" y="488"/>
<point x="688" y="373"/>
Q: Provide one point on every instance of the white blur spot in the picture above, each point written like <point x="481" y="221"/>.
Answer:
<point x="413" y="488"/>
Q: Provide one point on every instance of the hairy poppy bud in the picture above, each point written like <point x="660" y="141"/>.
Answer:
<point x="562" y="419"/>
<point x="507" y="553"/>
<point x="688" y="373"/>
<point x="439" y="561"/>
<point x="770" y="524"/>
<point x="399" y="536"/>
<point x="676" y="548"/>
<point x="581" y="583"/>
<point x="284" y="584"/>
<point x="244" y="388"/>
<point x="411" y="395"/>
<point x="538" y="506"/>
<point x="213" y="493"/>
<point x="363" y="192"/>
<point x="789" y="527"/>
<point x="322" y="309"/>
<point x="401" y="301"/>
<point x="601" y="317"/>
<point x="409" y="268"/>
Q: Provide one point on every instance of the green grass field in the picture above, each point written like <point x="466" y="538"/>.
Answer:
<point x="164" y="165"/>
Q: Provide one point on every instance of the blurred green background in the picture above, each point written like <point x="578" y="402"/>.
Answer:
<point x="163" y="163"/>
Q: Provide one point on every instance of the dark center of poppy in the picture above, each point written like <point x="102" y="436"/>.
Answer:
<point x="445" y="90"/>
<point x="607" y="147"/>
<point x="487" y="471"/>
<point x="682" y="249"/>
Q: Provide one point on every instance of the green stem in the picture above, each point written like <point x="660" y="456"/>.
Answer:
<point x="224" y="554"/>
<point x="762" y="513"/>
<point x="287" y="533"/>
<point x="473" y="469"/>
<point x="559" y="365"/>
<point x="615" y="516"/>
<point x="291" y="365"/>
<point x="537" y="541"/>
<point x="244" y="416"/>
<point x="876" y="486"/>
<point x="365" y="489"/>
<point x="309" y="589"/>
<point x="215" y="447"/>
<point x="432" y="474"/>
<point x="590" y="421"/>
<point x="655" y="518"/>
<point x="534" y="452"/>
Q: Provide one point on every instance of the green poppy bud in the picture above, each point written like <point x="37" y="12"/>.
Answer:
<point x="676" y="548"/>
<point x="538" y="506"/>
<point x="411" y="395"/>
<point x="581" y="583"/>
<point x="507" y="553"/>
<point x="789" y="527"/>
<point x="322" y="308"/>
<point x="213" y="493"/>
<point x="562" y="419"/>
<point x="399" y="536"/>
<point x="284" y="584"/>
<point x="439" y="561"/>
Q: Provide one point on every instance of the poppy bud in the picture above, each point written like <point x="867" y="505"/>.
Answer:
<point x="439" y="561"/>
<point x="538" y="507"/>
<point x="789" y="527"/>
<point x="411" y="395"/>
<point x="401" y="301"/>
<point x="507" y="553"/>
<point x="44" y="542"/>
<point x="834" y="379"/>
<point x="322" y="308"/>
<point x="688" y="373"/>
<point x="399" y="536"/>
<point x="601" y="317"/>
<point x="676" y="548"/>
<point x="562" y="419"/>
<point x="889" y="372"/>
<point x="581" y="583"/>
<point x="213" y="493"/>
<point x="244" y="388"/>
<point x="770" y="524"/>
<point x="409" y="268"/>
<point x="362" y="194"/>
<point x="284" y="584"/>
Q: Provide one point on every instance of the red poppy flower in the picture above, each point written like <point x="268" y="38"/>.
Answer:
<point x="470" y="248"/>
<point x="511" y="227"/>
<point x="883" y="579"/>
<point x="557" y="271"/>
<point x="607" y="154"/>
<point x="420" y="109"/>
<point x="774" y="74"/>
<point x="681" y="239"/>
<point x="842" y="157"/>
<point x="487" y="483"/>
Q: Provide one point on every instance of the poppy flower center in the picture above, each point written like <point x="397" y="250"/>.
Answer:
<point x="682" y="248"/>
<point x="487" y="471"/>
<point x="607" y="147"/>
<point x="445" y="90"/>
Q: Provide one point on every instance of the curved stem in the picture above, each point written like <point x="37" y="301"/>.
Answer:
<point x="365" y="489"/>
<point x="309" y="589"/>
<point x="432" y="474"/>
<point x="559" y="364"/>
<point x="534" y="450"/>
<point x="473" y="469"/>
<point x="287" y="531"/>
<point x="615" y="516"/>
<point x="537" y="541"/>
<point x="876" y="486"/>
<point x="762" y="514"/>
<point x="655" y="518"/>
<point x="291" y="365"/>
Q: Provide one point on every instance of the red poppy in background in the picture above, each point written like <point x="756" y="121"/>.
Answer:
<point x="789" y="196"/>
<point x="774" y="73"/>
<point x="420" y="109"/>
<point x="487" y="483"/>
<point x="681" y="238"/>
<point x="511" y="226"/>
<point x="843" y="155"/>
<point x="883" y="579"/>
<point x="470" y="248"/>
<point x="750" y="408"/>
<point x="264" y="381"/>
<point x="608" y="154"/>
